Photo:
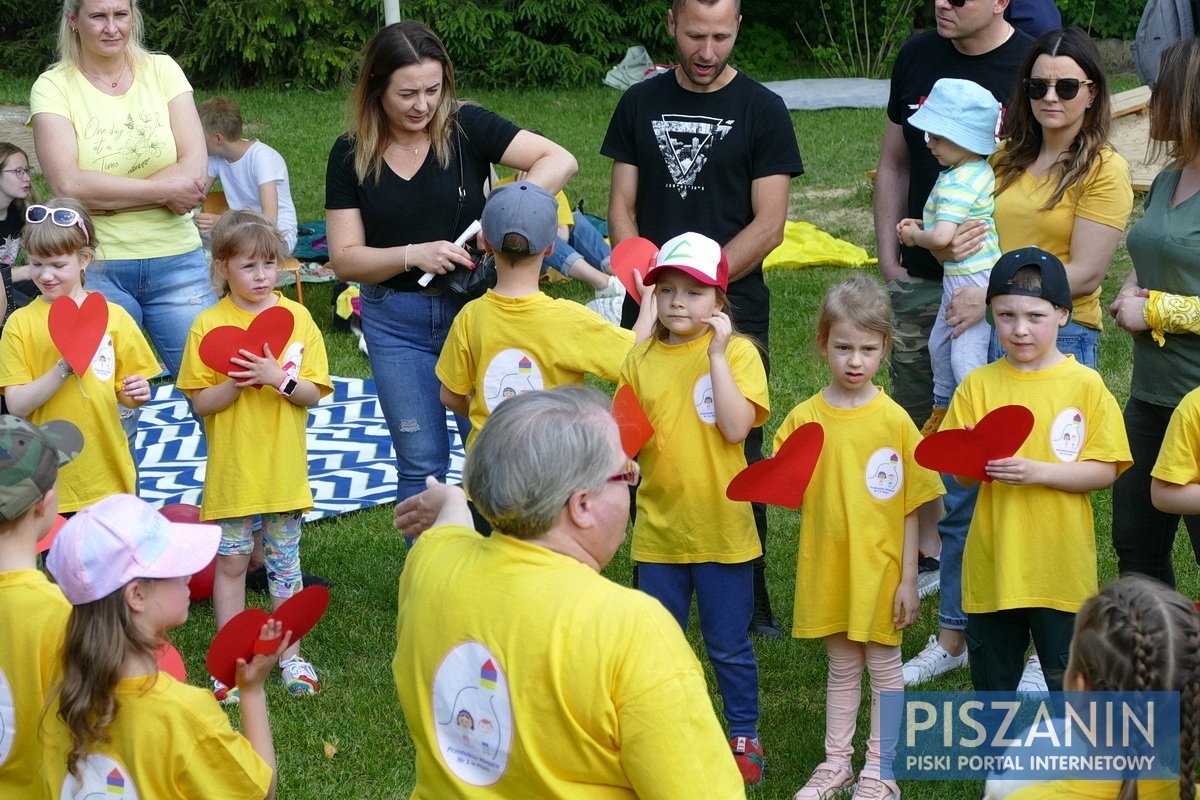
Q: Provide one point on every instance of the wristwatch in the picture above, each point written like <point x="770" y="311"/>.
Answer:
<point x="288" y="386"/>
<point x="64" y="369"/>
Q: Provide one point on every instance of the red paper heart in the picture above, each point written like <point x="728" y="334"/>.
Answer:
<point x="77" y="330"/>
<point x="630" y="254"/>
<point x="965" y="453"/>
<point x="632" y="421"/>
<point x="169" y="661"/>
<point x="299" y="613"/>
<point x="44" y="543"/>
<point x="235" y="640"/>
<point x="782" y="479"/>
<point x="200" y="587"/>
<point x="272" y="327"/>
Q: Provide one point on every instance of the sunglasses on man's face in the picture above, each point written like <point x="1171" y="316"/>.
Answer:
<point x="957" y="3"/>
<point x="1065" y="88"/>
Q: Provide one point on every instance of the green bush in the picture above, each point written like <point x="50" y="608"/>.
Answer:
<point x="859" y="38"/>
<point x="1103" y="19"/>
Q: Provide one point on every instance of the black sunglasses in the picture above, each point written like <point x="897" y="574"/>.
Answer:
<point x="1065" y="88"/>
<point x="957" y="3"/>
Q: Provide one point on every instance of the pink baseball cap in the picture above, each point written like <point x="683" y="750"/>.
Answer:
<point x="108" y="544"/>
<point x="694" y="254"/>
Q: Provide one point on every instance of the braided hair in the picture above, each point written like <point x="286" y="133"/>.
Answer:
<point x="1140" y="635"/>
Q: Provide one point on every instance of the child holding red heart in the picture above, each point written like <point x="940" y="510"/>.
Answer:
<point x="252" y="402"/>
<point x="37" y="380"/>
<point x="703" y="388"/>
<point x="856" y="573"/>
<point x="1030" y="558"/>
<point x="116" y="725"/>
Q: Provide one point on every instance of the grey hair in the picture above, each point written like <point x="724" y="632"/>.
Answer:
<point x="536" y="450"/>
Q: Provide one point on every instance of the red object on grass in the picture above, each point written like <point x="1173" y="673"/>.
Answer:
<point x="782" y="479"/>
<point x="78" y="330"/>
<point x="240" y="637"/>
<point x="272" y="327"/>
<point x="965" y="453"/>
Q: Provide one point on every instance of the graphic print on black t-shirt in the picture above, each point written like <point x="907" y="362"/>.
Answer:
<point x="685" y="142"/>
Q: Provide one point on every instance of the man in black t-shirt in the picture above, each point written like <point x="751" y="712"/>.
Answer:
<point x="976" y="43"/>
<point x="705" y="148"/>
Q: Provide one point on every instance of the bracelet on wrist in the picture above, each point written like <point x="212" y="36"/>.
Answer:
<point x="406" y="256"/>
<point x="64" y="369"/>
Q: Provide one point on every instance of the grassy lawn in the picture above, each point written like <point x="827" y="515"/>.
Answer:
<point x="357" y="712"/>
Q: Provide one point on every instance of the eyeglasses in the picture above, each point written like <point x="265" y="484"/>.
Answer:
<point x="1065" y="88"/>
<point x="957" y="3"/>
<point x="21" y="172"/>
<point x="632" y="474"/>
<point x="62" y="217"/>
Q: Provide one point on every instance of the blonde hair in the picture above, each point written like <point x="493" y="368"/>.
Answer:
<point x="69" y="51"/>
<point x="1175" y="104"/>
<point x="100" y="637"/>
<point x="1140" y="635"/>
<point x="862" y="302"/>
<point x="46" y="238"/>
<point x="242" y="232"/>
<point x="400" y="44"/>
<point x="221" y="115"/>
<point x="660" y="331"/>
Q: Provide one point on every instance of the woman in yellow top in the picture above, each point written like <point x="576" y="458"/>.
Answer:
<point x="1059" y="185"/>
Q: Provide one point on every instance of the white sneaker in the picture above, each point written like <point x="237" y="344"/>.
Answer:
<point x="614" y="289"/>
<point x="871" y="787"/>
<point x="828" y="781"/>
<point x="1033" y="681"/>
<point x="932" y="661"/>
<point x="608" y="307"/>
<point x="299" y="677"/>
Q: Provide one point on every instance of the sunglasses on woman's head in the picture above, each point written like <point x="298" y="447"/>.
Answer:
<point x="1065" y="88"/>
<point x="62" y="217"/>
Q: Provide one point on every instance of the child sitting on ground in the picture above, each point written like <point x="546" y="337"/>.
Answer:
<point x="960" y="119"/>
<point x="1030" y="559"/>
<point x="516" y="339"/>
<point x="252" y="174"/>
<point x="33" y="612"/>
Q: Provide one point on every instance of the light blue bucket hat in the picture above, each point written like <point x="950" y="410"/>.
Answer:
<point x="963" y="112"/>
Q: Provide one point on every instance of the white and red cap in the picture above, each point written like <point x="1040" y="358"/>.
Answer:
<point x="694" y="254"/>
<point x="106" y="545"/>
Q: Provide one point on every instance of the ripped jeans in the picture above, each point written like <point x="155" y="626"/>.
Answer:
<point x="405" y="332"/>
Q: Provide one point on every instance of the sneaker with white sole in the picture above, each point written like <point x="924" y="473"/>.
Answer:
<point x="871" y="787"/>
<point x="299" y="677"/>
<point x="932" y="661"/>
<point x="828" y="781"/>
<point x="1033" y="680"/>
<point x="226" y="695"/>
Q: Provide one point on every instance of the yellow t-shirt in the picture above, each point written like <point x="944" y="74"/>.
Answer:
<point x="257" y="447"/>
<point x="565" y="217"/>
<point x="606" y="701"/>
<point x="33" y="621"/>
<point x="1180" y="450"/>
<point x="499" y="347"/>
<point x="683" y="516"/>
<point x="104" y="466"/>
<point x="1100" y="790"/>
<point x="127" y="136"/>
<point x="1032" y="546"/>
<point x="169" y="741"/>
<point x="850" y="560"/>
<point x="1105" y="196"/>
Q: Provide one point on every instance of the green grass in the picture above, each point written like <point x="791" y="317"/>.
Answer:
<point x="358" y="712"/>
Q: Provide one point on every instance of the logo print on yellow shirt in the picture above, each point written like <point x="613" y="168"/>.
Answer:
<point x="702" y="397"/>
<point x="8" y="718"/>
<point x="100" y="778"/>
<point x="1067" y="434"/>
<point x="104" y="363"/>
<point x="510" y="373"/>
<point x="472" y="714"/>
<point x="885" y="473"/>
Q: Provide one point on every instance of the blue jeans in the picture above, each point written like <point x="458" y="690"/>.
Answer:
<point x="952" y="529"/>
<point x="405" y="332"/>
<point x="724" y="600"/>
<point x="584" y="240"/>
<point x="1073" y="340"/>
<point x="164" y="295"/>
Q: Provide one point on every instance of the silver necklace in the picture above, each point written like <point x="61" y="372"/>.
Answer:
<point x="113" y="85"/>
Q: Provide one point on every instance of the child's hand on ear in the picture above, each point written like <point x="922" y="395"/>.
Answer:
<point x="645" y="291"/>
<point x="722" y="329"/>
<point x="251" y="676"/>
<point x="257" y="370"/>
<point x="136" y="389"/>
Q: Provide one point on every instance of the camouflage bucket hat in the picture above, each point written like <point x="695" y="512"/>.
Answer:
<point x="30" y="456"/>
